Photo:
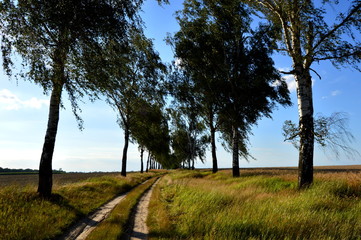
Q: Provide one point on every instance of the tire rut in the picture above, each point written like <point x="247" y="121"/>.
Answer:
<point x="139" y="221"/>
<point x="86" y="225"/>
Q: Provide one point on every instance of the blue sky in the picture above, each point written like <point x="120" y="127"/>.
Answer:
<point x="24" y="113"/>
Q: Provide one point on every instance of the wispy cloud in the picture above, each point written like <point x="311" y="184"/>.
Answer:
<point x="9" y="101"/>
<point x="333" y="94"/>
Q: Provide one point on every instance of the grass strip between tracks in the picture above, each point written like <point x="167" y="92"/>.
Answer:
<point x="118" y="222"/>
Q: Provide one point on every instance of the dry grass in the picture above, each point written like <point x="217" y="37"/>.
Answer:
<point x="261" y="204"/>
<point x="23" y="215"/>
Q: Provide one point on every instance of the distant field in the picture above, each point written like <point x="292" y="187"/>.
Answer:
<point x="59" y="179"/>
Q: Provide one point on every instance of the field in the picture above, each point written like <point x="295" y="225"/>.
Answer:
<point x="261" y="204"/>
<point x="58" y="179"/>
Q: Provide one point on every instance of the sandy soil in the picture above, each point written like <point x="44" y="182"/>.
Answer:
<point x="140" y="229"/>
<point x="81" y="230"/>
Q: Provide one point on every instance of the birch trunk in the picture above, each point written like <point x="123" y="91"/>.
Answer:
<point x="45" y="167"/>
<point x="306" y="127"/>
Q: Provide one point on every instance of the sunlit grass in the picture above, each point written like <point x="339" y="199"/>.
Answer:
<point x="257" y="205"/>
<point x="23" y="215"/>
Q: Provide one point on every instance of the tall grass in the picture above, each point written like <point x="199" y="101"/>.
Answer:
<point x="23" y="215"/>
<point x="257" y="205"/>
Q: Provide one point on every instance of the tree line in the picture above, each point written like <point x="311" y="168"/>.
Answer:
<point x="24" y="171"/>
<point x="223" y="78"/>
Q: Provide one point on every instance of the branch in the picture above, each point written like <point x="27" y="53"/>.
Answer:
<point x="346" y="55"/>
<point x="290" y="72"/>
<point x="336" y="27"/>
<point x="316" y="73"/>
<point x="292" y="137"/>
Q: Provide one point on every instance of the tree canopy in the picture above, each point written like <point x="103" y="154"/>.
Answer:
<point x="136" y="77"/>
<point x="230" y="66"/>
<point x="58" y="42"/>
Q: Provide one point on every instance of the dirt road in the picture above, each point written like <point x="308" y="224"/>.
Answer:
<point x="140" y="229"/>
<point x="81" y="230"/>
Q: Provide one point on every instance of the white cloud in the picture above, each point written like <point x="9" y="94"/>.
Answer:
<point x="291" y="83"/>
<point x="335" y="93"/>
<point x="9" y="101"/>
<point x="290" y="79"/>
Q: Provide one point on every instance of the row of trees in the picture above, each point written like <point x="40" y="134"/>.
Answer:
<point x="223" y="79"/>
<point x="70" y="45"/>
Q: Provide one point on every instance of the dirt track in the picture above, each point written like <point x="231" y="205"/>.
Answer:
<point x="81" y="230"/>
<point x="84" y="227"/>
<point x="140" y="229"/>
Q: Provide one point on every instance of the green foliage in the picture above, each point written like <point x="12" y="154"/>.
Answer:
<point x="150" y="130"/>
<point x="136" y="92"/>
<point x="59" y="41"/>
<point x="227" y="66"/>
<point x="187" y="139"/>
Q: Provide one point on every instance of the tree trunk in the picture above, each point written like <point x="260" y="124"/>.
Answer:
<point x="141" y="159"/>
<point x="192" y="164"/>
<point x="213" y="146"/>
<point x="125" y="151"/>
<point x="147" y="168"/>
<point x="306" y="127"/>
<point x="45" y="167"/>
<point x="235" y="151"/>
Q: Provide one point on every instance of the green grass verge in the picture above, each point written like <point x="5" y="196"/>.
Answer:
<point x="115" y="226"/>
<point x="256" y="206"/>
<point x="23" y="215"/>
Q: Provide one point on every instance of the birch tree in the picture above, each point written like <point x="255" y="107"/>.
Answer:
<point x="304" y="34"/>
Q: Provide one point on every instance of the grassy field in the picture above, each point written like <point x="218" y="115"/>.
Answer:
<point x="23" y="215"/>
<point x="261" y="204"/>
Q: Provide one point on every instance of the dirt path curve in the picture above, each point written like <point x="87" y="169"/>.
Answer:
<point x="86" y="225"/>
<point x="140" y="229"/>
